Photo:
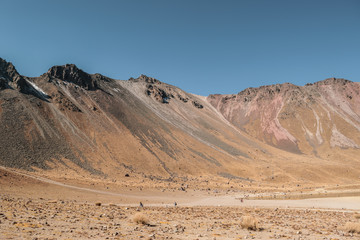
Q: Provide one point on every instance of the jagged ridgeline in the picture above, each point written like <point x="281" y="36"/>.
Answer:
<point x="67" y="118"/>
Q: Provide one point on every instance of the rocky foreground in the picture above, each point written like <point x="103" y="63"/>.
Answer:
<point x="26" y="218"/>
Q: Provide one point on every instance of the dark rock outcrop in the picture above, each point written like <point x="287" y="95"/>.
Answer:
<point x="158" y="93"/>
<point x="71" y="73"/>
<point x="144" y="78"/>
<point x="10" y="78"/>
<point x="197" y="104"/>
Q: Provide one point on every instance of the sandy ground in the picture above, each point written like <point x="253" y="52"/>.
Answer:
<point x="341" y="203"/>
<point x="32" y="207"/>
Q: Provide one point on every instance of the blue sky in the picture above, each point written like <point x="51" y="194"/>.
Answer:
<point x="201" y="46"/>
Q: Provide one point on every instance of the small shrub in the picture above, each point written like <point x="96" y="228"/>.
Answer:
<point x="352" y="227"/>
<point x="357" y="215"/>
<point x="140" y="218"/>
<point x="250" y="223"/>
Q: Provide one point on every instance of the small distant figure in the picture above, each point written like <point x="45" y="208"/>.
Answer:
<point x="175" y="204"/>
<point x="141" y="205"/>
<point x="242" y="200"/>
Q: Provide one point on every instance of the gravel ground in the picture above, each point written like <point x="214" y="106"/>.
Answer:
<point x="26" y="218"/>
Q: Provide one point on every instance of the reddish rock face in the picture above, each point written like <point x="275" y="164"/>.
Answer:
<point x="296" y="118"/>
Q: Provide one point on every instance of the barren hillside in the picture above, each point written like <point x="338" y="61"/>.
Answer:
<point x="92" y="125"/>
<point x="313" y="119"/>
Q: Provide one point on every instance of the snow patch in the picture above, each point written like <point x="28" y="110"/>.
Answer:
<point x="39" y="90"/>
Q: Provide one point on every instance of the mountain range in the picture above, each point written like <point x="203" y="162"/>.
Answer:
<point x="89" y="124"/>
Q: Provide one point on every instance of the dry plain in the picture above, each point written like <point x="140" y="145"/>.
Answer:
<point x="34" y="207"/>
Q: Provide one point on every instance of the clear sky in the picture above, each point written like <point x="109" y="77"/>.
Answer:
<point x="201" y="46"/>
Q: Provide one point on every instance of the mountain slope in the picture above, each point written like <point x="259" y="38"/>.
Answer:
<point x="310" y="119"/>
<point x="88" y="124"/>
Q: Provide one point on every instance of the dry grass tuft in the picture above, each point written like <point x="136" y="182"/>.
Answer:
<point x="140" y="218"/>
<point x="352" y="227"/>
<point x="357" y="215"/>
<point x="250" y="223"/>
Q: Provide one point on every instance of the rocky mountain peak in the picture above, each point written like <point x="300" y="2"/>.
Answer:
<point x="71" y="73"/>
<point x="9" y="77"/>
<point x="7" y="70"/>
<point x="144" y="78"/>
<point x="4" y="66"/>
<point x="332" y="81"/>
<point x="265" y="93"/>
<point x="68" y="72"/>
